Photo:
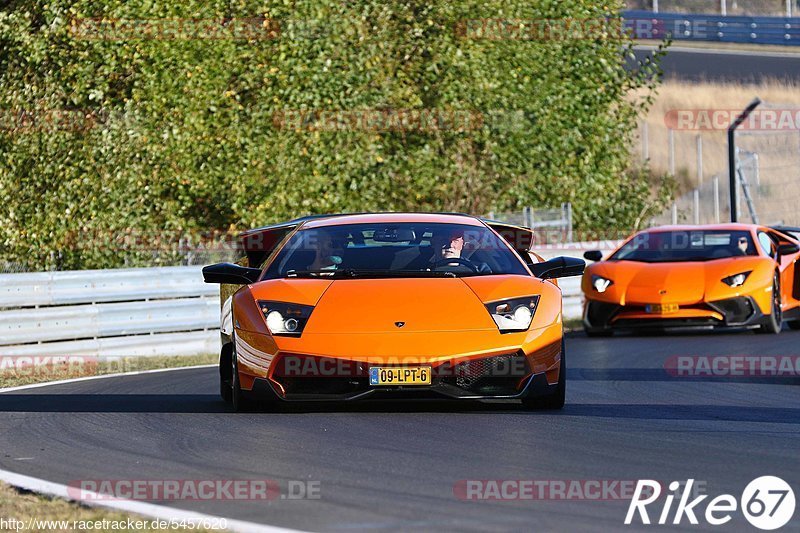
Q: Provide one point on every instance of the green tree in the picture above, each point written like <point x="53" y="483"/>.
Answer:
<point x="190" y="134"/>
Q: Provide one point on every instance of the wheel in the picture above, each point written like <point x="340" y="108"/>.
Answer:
<point x="555" y="400"/>
<point x="775" y="318"/>
<point x="240" y="402"/>
<point x="225" y="373"/>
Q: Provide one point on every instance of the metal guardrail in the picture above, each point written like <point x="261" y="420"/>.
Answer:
<point x="138" y="311"/>
<point x="714" y="28"/>
<point x="130" y="312"/>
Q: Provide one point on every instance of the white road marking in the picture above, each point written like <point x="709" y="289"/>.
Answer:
<point x="49" y="488"/>
<point x="102" y="376"/>
<point x="141" y="508"/>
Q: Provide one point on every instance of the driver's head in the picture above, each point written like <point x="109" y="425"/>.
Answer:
<point x="742" y="244"/>
<point x="447" y="244"/>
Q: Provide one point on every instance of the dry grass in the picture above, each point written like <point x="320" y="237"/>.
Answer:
<point x="777" y="193"/>
<point x="674" y="95"/>
<point x="24" y="506"/>
<point x="76" y="367"/>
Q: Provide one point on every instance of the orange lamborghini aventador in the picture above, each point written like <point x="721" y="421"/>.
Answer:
<point x="728" y="275"/>
<point x="342" y="307"/>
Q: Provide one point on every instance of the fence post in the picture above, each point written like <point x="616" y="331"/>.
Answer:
<point x="655" y="5"/>
<point x="723" y="7"/>
<point x="674" y="214"/>
<point x="696" y="206"/>
<point x="699" y="159"/>
<point x="671" y="140"/>
<point x="716" y="199"/>
<point x="788" y="8"/>
<point x="569" y="221"/>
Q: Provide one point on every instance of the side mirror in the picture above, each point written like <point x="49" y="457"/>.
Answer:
<point x="788" y="249"/>
<point x="593" y="255"/>
<point x="230" y="273"/>
<point x="559" y="267"/>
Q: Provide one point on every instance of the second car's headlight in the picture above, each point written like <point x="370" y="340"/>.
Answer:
<point x="515" y="314"/>
<point x="601" y="284"/>
<point x="285" y="318"/>
<point x="737" y="280"/>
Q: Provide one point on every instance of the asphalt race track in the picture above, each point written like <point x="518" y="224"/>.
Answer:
<point x="384" y="466"/>
<point x="726" y="65"/>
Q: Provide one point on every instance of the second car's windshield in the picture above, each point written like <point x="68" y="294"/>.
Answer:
<point x="395" y="250"/>
<point x="676" y="246"/>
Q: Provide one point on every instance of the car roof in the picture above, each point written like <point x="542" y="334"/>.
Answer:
<point x="380" y="218"/>
<point x="694" y="227"/>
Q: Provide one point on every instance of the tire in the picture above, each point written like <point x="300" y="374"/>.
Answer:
<point x="774" y="321"/>
<point x="225" y="376"/>
<point x="240" y="403"/>
<point x="556" y="399"/>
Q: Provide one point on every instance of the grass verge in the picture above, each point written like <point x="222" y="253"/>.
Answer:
<point x="16" y="371"/>
<point x="30" y="512"/>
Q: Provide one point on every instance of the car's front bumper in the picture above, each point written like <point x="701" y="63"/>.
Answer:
<point x="505" y="376"/>
<point x="737" y="312"/>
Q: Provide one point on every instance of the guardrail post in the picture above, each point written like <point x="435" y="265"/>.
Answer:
<point x="674" y="214"/>
<point x="696" y="206"/>
<point x="723" y="7"/>
<point x="655" y="5"/>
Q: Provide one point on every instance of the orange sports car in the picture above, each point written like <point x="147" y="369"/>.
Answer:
<point x="341" y="307"/>
<point x="725" y="275"/>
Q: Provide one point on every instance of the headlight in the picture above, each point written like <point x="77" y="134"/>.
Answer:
<point x="284" y="318"/>
<point x="737" y="280"/>
<point x="515" y="314"/>
<point x="601" y="284"/>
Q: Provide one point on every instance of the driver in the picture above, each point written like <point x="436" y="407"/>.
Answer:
<point x="448" y="250"/>
<point x="742" y="246"/>
<point x="328" y="253"/>
<point x="447" y="246"/>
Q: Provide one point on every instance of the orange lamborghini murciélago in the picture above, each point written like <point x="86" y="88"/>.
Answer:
<point x="734" y="275"/>
<point x="391" y="305"/>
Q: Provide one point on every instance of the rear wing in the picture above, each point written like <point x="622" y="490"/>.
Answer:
<point x="520" y="238"/>
<point x="790" y="231"/>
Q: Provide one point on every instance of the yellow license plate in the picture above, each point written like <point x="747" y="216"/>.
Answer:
<point x="403" y="375"/>
<point x="662" y="309"/>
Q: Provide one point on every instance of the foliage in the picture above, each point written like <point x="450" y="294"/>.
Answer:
<point x="185" y="135"/>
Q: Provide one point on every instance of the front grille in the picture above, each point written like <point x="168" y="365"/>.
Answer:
<point x="735" y="310"/>
<point x="498" y="375"/>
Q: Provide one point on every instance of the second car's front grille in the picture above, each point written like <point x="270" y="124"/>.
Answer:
<point x="735" y="310"/>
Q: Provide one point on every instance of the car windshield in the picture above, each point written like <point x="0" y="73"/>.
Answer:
<point x="395" y="250"/>
<point x="677" y="246"/>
